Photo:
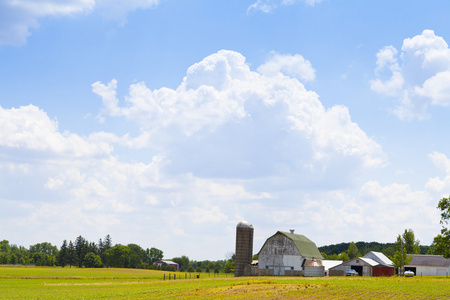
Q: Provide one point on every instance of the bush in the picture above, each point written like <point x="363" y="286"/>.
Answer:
<point x="199" y="270"/>
<point x="190" y="269"/>
<point x="91" y="260"/>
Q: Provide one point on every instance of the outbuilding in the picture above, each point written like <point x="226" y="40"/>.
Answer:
<point x="167" y="262"/>
<point x="372" y="264"/>
<point x="287" y="254"/>
<point x="428" y="265"/>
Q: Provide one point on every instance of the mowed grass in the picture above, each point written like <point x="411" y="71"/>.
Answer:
<point x="74" y="283"/>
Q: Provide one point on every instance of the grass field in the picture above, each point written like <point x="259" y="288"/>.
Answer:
<point x="74" y="283"/>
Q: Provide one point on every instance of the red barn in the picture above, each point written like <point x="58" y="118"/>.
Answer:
<point x="167" y="262"/>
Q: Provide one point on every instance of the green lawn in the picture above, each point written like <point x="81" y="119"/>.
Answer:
<point x="74" y="283"/>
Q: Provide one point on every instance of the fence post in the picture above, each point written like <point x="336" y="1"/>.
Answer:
<point x="164" y="276"/>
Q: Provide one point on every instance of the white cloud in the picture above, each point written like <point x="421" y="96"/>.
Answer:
<point x="290" y="65"/>
<point x="19" y="17"/>
<point x="419" y="79"/>
<point x="226" y="118"/>
<point x="28" y="128"/>
<point x="267" y="6"/>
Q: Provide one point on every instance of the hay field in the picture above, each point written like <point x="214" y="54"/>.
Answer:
<point x="74" y="283"/>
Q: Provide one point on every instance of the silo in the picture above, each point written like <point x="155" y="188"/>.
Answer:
<point x="314" y="269"/>
<point x="244" y="247"/>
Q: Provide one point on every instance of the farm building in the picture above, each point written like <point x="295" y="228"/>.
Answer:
<point x="428" y="265"/>
<point x="287" y="254"/>
<point x="167" y="262"/>
<point x="329" y="264"/>
<point x="372" y="264"/>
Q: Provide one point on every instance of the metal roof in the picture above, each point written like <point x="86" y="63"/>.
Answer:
<point x="305" y="246"/>
<point x="331" y="263"/>
<point x="429" y="260"/>
<point x="379" y="257"/>
<point x="369" y="261"/>
<point x="244" y="224"/>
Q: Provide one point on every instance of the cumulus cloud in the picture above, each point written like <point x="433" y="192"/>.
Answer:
<point x="29" y="128"/>
<point x="439" y="186"/>
<point x="19" y="17"/>
<point x="267" y="6"/>
<point x="290" y="65"/>
<point x="416" y="77"/>
<point x="226" y="120"/>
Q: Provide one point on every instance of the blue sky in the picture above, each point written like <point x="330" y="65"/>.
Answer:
<point x="165" y="123"/>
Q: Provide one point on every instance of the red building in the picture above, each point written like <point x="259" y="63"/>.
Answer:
<point x="167" y="262"/>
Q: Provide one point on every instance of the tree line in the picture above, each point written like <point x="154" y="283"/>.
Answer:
<point x="83" y="253"/>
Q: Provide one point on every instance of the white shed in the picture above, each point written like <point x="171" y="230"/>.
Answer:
<point x="428" y="265"/>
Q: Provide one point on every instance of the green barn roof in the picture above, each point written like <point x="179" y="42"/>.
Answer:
<point x="305" y="246"/>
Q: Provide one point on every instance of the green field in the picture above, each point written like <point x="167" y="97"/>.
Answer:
<point x="74" y="283"/>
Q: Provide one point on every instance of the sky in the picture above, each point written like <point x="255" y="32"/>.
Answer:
<point x="165" y="123"/>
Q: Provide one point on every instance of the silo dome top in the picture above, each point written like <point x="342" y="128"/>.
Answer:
<point x="244" y="224"/>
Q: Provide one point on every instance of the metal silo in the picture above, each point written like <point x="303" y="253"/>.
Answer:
<point x="244" y="247"/>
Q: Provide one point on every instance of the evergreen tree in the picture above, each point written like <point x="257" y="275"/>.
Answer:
<point x="63" y="254"/>
<point x="81" y="247"/>
<point x="71" y="254"/>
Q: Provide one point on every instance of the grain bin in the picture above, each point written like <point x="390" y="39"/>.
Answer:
<point x="244" y="247"/>
<point x="314" y="269"/>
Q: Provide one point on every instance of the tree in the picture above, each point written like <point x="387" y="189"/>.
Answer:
<point x="81" y="249"/>
<point x="343" y="256"/>
<point x="92" y="260"/>
<point x="441" y="243"/>
<point x="117" y="256"/>
<point x="45" y="248"/>
<point x="229" y="267"/>
<point x="198" y="270"/>
<point x="353" y="251"/>
<point x="63" y="254"/>
<point x="190" y="269"/>
<point x="411" y="244"/>
<point x="71" y="254"/>
<point x="137" y="255"/>
<point x="182" y="261"/>
<point x="405" y="244"/>
<point x="153" y="254"/>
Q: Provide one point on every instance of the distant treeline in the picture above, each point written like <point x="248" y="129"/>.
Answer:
<point x="387" y="249"/>
<point x="82" y="253"/>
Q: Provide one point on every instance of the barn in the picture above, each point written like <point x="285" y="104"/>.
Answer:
<point x="372" y="264"/>
<point x="428" y="265"/>
<point x="287" y="254"/>
<point x="167" y="262"/>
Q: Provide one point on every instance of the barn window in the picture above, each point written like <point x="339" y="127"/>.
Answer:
<point x="357" y="261"/>
<point x="292" y="268"/>
<point x="267" y="267"/>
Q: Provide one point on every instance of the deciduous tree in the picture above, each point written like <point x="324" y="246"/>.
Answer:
<point x="441" y="243"/>
<point x="353" y="251"/>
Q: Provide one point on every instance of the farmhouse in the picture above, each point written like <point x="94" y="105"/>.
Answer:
<point x="372" y="264"/>
<point x="167" y="262"/>
<point x="287" y="254"/>
<point x="428" y="265"/>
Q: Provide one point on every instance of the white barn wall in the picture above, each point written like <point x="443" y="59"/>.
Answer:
<point x="279" y="251"/>
<point x="431" y="271"/>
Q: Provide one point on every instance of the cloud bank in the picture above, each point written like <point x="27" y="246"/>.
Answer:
<point x="229" y="143"/>
<point x="416" y="77"/>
